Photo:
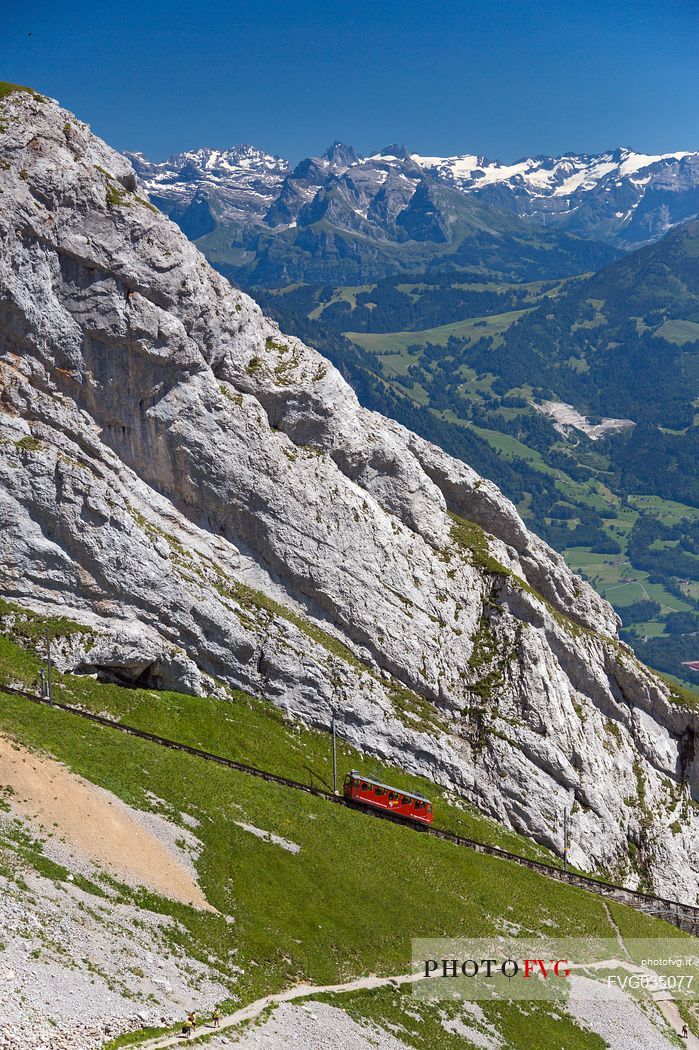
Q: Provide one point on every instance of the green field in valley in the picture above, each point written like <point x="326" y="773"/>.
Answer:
<point x="470" y="329"/>
<point x="677" y="331"/>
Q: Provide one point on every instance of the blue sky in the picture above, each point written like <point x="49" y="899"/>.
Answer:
<point x="499" y="77"/>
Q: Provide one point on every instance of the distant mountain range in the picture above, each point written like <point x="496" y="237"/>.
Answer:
<point x="239" y="184"/>
<point x="344" y="217"/>
<point x="622" y="197"/>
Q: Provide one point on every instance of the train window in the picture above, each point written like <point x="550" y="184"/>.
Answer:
<point x="405" y="801"/>
<point x="379" y="791"/>
<point x="419" y="805"/>
<point x="365" y="787"/>
<point x="392" y="796"/>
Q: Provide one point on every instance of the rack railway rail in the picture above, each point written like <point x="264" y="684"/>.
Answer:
<point x="684" y="916"/>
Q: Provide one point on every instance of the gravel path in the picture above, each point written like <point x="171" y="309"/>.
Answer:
<point x="301" y="991"/>
<point x="604" y="1009"/>
<point x="613" y="1015"/>
<point x="314" y="1026"/>
<point x="76" y="969"/>
<point x="672" y="1015"/>
<point x="607" y="1011"/>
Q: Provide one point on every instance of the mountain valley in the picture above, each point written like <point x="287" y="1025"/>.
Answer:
<point x="482" y="273"/>
<point x="236" y="524"/>
<point x="489" y="370"/>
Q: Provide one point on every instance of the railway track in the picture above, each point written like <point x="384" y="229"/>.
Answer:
<point x="684" y="916"/>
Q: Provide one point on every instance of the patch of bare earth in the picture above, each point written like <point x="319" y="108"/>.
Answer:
<point x="95" y="825"/>
<point x="567" y="416"/>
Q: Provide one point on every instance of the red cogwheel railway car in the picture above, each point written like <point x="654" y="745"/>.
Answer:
<point x="383" y="796"/>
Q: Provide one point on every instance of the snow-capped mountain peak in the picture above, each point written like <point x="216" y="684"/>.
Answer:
<point x="238" y="184"/>
<point x="244" y="157"/>
<point x="543" y="175"/>
<point x="207" y="165"/>
<point x="621" y="196"/>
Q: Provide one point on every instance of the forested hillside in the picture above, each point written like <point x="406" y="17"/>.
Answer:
<point x="578" y="396"/>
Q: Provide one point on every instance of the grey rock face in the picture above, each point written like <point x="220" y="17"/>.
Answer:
<point x="209" y="499"/>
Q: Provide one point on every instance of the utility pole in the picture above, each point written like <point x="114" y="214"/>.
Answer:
<point x="49" y="665"/>
<point x="334" y="755"/>
<point x="566" y="819"/>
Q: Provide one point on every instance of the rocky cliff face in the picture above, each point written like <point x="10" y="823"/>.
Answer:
<point x="208" y="498"/>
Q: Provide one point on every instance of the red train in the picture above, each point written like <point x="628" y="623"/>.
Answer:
<point x="383" y="796"/>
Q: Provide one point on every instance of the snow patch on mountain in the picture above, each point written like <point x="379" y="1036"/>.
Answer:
<point x="595" y="195"/>
<point x="558" y="175"/>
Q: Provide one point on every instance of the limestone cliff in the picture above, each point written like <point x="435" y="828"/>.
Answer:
<point x="207" y="496"/>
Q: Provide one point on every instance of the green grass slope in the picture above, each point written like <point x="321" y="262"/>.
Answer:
<point x="348" y="903"/>
<point x="471" y="329"/>
<point x="8" y="89"/>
